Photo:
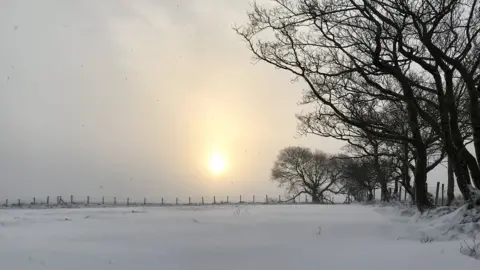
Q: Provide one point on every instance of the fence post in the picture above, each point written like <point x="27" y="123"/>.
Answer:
<point x="34" y="200"/>
<point x="227" y="199"/>
<point x="6" y="203"/>
<point x="19" y="203"/>
<point x="189" y="200"/>
<point x="240" y="198"/>
<point x="162" y="200"/>
<point x="266" y="198"/>
<point x="436" y="193"/>
<point x="48" y="200"/>
<point x="203" y="201"/>
<point x="253" y="199"/>
<point x="114" y="200"/>
<point x="128" y="201"/>
<point x="88" y="200"/>
<point x="71" y="199"/>
<point x="443" y="192"/>
<point x="144" y="201"/>
<point x="214" y="200"/>
<point x="103" y="199"/>
<point x="176" y="200"/>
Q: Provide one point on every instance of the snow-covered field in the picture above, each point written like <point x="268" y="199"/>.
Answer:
<point x="224" y="237"/>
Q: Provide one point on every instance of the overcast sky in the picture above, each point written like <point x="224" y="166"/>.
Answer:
<point x="130" y="98"/>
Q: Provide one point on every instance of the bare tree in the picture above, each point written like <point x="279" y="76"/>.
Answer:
<point x="360" y="57"/>
<point x="358" y="178"/>
<point x="302" y="171"/>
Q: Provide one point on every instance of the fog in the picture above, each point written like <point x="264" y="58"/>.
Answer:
<point x="130" y="98"/>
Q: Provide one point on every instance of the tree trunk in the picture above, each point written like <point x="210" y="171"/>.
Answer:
<point x="420" y="174"/>
<point x="395" y="190"/>
<point x="464" y="157"/>
<point x="384" y="195"/>
<point x="451" y="183"/>
<point x="315" y="198"/>
<point x="421" y="196"/>
<point x="370" y="195"/>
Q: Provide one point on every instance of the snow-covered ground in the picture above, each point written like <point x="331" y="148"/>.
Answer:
<point x="223" y="237"/>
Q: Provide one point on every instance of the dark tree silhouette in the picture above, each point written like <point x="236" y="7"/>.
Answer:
<point x="302" y="171"/>
<point x="361" y="58"/>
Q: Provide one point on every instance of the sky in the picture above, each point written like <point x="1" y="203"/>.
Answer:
<point x="131" y="98"/>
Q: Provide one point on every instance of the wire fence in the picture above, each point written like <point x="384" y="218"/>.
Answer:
<point x="439" y="192"/>
<point x="106" y="201"/>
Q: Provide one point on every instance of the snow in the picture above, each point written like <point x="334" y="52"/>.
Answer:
<point x="223" y="237"/>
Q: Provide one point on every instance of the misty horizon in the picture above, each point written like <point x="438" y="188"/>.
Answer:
<point x="130" y="99"/>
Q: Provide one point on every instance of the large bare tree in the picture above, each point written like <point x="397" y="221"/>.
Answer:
<point x="358" y="57"/>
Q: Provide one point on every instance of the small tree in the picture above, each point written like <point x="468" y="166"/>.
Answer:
<point x="303" y="171"/>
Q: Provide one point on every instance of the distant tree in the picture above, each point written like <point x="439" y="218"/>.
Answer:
<point x="303" y="171"/>
<point x="358" y="178"/>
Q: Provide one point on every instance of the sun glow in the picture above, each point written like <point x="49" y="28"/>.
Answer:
<point x="217" y="163"/>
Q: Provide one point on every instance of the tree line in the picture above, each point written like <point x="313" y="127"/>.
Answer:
<point x="397" y="80"/>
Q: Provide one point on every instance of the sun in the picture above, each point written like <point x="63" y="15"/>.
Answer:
<point x="217" y="163"/>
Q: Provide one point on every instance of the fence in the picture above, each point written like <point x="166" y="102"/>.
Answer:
<point x="73" y="201"/>
<point x="439" y="192"/>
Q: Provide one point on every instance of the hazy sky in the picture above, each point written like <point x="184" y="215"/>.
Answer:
<point x="130" y="98"/>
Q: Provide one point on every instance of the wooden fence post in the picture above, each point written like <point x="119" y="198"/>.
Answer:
<point x="48" y="200"/>
<point x="443" y="192"/>
<point x="34" y="200"/>
<point x="227" y="199"/>
<point x="128" y="201"/>
<point x="88" y="200"/>
<point x="114" y="200"/>
<point x="266" y="198"/>
<point x="203" y="201"/>
<point x="19" y="203"/>
<point x="436" y="193"/>
<point x="162" y="200"/>
<point x="6" y="202"/>
<point x="144" y="201"/>
<point x="189" y="200"/>
<point x="103" y="199"/>
<point x="71" y="199"/>
<point x="214" y="200"/>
